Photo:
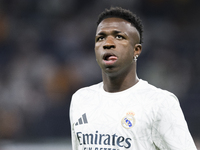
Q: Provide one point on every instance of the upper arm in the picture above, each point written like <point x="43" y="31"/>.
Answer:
<point x="170" y="130"/>
<point x="73" y="135"/>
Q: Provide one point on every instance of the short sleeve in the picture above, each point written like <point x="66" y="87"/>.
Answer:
<point x="170" y="130"/>
<point x="73" y="136"/>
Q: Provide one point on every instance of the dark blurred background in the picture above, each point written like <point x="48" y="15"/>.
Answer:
<point x="47" y="53"/>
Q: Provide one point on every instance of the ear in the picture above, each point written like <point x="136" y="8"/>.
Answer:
<point x="137" y="49"/>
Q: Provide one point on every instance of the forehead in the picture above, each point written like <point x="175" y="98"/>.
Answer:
<point x="116" y="24"/>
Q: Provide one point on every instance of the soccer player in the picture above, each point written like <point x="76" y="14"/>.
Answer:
<point x="124" y="112"/>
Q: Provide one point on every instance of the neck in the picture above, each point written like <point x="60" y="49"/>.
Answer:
<point x="120" y="82"/>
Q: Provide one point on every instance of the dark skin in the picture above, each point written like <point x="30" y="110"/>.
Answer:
<point x="116" y="45"/>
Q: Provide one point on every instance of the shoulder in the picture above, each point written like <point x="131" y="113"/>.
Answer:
<point x="156" y="93"/>
<point x="85" y="95"/>
<point x="87" y="91"/>
<point x="92" y="88"/>
<point x="163" y="104"/>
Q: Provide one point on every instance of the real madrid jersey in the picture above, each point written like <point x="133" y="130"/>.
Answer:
<point x="142" y="117"/>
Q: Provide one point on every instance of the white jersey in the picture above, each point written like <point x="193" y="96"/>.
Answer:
<point x="142" y="117"/>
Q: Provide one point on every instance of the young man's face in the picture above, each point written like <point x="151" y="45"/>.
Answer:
<point x="116" y="44"/>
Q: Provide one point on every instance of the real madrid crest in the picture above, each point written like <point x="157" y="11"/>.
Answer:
<point x="128" y="121"/>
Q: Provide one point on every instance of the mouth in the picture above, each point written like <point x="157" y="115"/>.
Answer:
<point x="109" y="58"/>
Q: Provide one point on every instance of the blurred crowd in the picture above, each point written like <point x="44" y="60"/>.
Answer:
<point x="47" y="53"/>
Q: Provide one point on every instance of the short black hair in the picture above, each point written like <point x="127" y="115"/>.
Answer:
<point x="125" y="14"/>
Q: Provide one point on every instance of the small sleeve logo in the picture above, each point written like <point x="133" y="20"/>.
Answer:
<point x="128" y="121"/>
<point x="82" y="120"/>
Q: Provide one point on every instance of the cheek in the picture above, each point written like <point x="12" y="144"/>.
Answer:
<point x="98" y="50"/>
<point x="97" y="45"/>
<point x="131" y="51"/>
<point x="98" y="55"/>
<point x="128" y="52"/>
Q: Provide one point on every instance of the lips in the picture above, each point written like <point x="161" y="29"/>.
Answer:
<point x="109" y="58"/>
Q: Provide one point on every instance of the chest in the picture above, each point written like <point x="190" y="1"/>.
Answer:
<point x="129" y="115"/>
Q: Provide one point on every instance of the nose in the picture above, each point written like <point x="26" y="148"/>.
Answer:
<point x="109" y="43"/>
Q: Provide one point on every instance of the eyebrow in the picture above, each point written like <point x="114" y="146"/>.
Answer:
<point x="113" y="32"/>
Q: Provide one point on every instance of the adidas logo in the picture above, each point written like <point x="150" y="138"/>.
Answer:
<point x="82" y="120"/>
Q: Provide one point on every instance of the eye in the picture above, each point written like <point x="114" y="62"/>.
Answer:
<point x="100" y="38"/>
<point x="120" y="37"/>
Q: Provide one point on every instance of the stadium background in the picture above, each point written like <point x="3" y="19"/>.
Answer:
<point x="47" y="53"/>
